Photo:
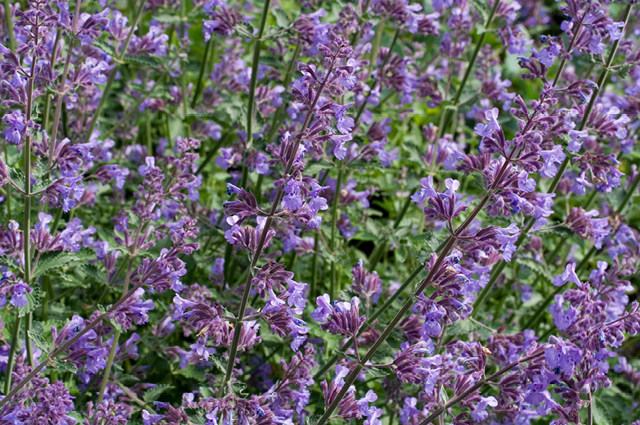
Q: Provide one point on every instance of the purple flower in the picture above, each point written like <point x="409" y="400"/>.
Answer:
<point x="427" y="190"/>
<point x="480" y="412"/>
<point x="19" y="294"/>
<point x="569" y="275"/>
<point x="16" y="126"/>
<point x="550" y="159"/>
<point x="563" y="319"/>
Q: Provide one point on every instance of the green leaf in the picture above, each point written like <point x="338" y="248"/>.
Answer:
<point x="344" y="355"/>
<point x="54" y="260"/>
<point x="281" y="17"/>
<point x="317" y="166"/>
<point x="239" y="388"/>
<point x="94" y="272"/>
<point x="245" y="29"/>
<point x="312" y="419"/>
<point x="39" y="342"/>
<point x="622" y="71"/>
<point x="63" y="366"/>
<point x="535" y="267"/>
<point x="478" y="177"/>
<point x="482" y="8"/>
<point x="155" y="392"/>
<point x="39" y="170"/>
<point x="168" y="18"/>
<point x="196" y="416"/>
<point x="376" y="372"/>
<point x="192" y="372"/>
<point x="432" y="243"/>
<point x="104" y="46"/>
<point x="143" y="60"/>
<point x="461" y="327"/>
<point x="219" y="362"/>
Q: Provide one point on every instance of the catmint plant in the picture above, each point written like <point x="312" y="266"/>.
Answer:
<point x="306" y="212"/>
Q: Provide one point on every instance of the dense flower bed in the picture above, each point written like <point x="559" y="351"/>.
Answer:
<point x="371" y="212"/>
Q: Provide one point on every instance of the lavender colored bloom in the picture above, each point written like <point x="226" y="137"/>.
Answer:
<point x="569" y="275"/>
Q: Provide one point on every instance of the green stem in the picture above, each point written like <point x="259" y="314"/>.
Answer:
<point x="27" y="329"/>
<point x="62" y="88"/>
<point x="116" y="336"/>
<point x="314" y="266"/>
<point x="8" y="18"/>
<point x="12" y="353"/>
<point x="199" y="84"/>
<point x="8" y="187"/>
<point x="233" y="349"/>
<point x="332" y="241"/>
<point x="114" y="71"/>
<point x="629" y="195"/>
<point x="254" y="72"/>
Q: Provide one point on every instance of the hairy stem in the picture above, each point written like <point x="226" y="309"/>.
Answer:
<point x="12" y="354"/>
<point x="62" y="87"/>
<point x="116" y="336"/>
<point x="233" y="349"/>
<point x="332" y="241"/>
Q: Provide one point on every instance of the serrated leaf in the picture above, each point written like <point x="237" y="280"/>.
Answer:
<point x="376" y="372"/>
<point x="482" y="8"/>
<point x="432" y="243"/>
<point x="168" y="18"/>
<point x="63" y="366"/>
<point x="562" y="232"/>
<point x="312" y="420"/>
<point x="478" y="177"/>
<point x="461" y="327"/>
<point x="104" y="46"/>
<point x="344" y="355"/>
<point x="245" y="29"/>
<point x="281" y="17"/>
<point x="7" y="261"/>
<point x="53" y="260"/>
<point x="218" y="361"/>
<point x="39" y="341"/>
<point x="239" y="388"/>
<point x="143" y="60"/>
<point x="152" y="394"/>
<point x="622" y="71"/>
<point x="192" y="372"/>
<point x="17" y="177"/>
<point x="94" y="272"/>
<point x="40" y="169"/>
<point x="535" y="267"/>
<point x="196" y="416"/>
